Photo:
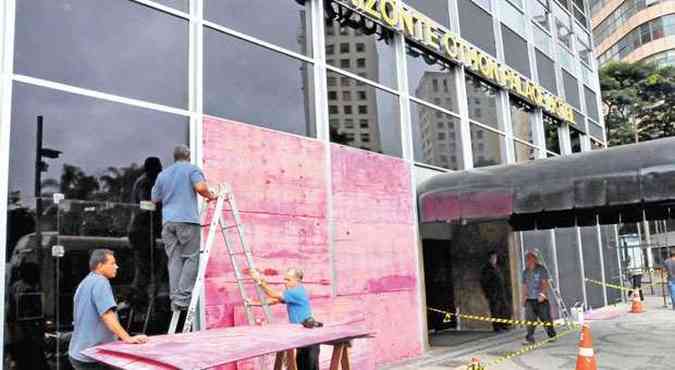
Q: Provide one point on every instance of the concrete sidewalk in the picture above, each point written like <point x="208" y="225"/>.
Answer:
<point x="626" y="341"/>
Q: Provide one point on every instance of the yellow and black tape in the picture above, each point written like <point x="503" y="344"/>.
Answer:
<point x="448" y="318"/>
<point x="621" y="287"/>
<point x="527" y="348"/>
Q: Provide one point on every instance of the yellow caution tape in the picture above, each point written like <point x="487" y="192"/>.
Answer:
<point x="621" y="287"/>
<point x="448" y="318"/>
<point x="527" y="349"/>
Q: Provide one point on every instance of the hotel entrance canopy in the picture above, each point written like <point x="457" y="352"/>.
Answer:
<point x="609" y="186"/>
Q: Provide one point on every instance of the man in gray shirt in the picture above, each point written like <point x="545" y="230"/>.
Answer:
<point x="535" y="296"/>
<point x="176" y="189"/>
<point x="669" y="267"/>
<point x="94" y="318"/>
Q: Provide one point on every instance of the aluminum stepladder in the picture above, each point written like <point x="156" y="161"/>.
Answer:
<point x="224" y="195"/>
<point x="562" y="307"/>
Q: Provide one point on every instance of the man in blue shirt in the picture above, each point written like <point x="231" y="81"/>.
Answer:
<point x="176" y="189"/>
<point x="535" y="296"/>
<point x="296" y="299"/>
<point x="94" y="318"/>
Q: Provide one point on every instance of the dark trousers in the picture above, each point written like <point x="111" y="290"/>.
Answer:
<point x="538" y="310"/>
<point x="499" y="310"/>
<point x="637" y="285"/>
<point x="307" y="358"/>
<point x="79" y="365"/>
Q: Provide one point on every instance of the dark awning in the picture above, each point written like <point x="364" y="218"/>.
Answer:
<point x="616" y="185"/>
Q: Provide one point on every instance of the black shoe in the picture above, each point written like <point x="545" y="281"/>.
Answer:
<point x="528" y="342"/>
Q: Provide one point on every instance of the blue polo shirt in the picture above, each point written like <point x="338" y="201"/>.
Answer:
<point x="297" y="304"/>
<point x="175" y="189"/>
<point x="533" y="280"/>
<point x="93" y="298"/>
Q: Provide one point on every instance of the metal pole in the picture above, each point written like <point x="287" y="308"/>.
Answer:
<point x="581" y="266"/>
<point x="38" y="189"/>
<point x="618" y="260"/>
<point x="602" y="259"/>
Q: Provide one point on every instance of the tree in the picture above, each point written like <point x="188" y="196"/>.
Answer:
<point x="638" y="100"/>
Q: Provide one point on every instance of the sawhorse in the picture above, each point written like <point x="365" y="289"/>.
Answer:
<point x="339" y="361"/>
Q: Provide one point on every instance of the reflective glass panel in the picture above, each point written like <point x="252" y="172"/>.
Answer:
<point x="436" y="137"/>
<point x="476" y="26"/>
<point x="482" y="100"/>
<point x="434" y="83"/>
<point x="370" y="124"/>
<point x="254" y="85"/>
<point x="524" y="152"/>
<point x="515" y="52"/>
<point x="436" y="10"/>
<point x="281" y="22"/>
<point x="522" y="119"/>
<point x="488" y="147"/>
<point x="118" y="47"/>
<point x="551" y="134"/>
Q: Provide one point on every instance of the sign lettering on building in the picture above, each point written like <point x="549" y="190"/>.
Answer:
<point x="419" y="28"/>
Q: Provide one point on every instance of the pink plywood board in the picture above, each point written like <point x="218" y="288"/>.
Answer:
<point x="210" y="348"/>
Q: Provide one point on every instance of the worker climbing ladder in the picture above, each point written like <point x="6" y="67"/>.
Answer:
<point x="224" y="195"/>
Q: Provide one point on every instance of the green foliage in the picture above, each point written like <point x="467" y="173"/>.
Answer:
<point x="638" y="100"/>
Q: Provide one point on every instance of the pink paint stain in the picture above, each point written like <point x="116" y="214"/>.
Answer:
<point x="391" y="283"/>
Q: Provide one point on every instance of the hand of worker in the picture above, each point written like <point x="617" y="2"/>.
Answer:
<point x="255" y="275"/>
<point x="541" y="297"/>
<point x="136" y="339"/>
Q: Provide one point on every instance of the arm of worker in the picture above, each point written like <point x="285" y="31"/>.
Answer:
<point x="269" y="301"/>
<point x="156" y="193"/>
<point x="271" y="293"/>
<point x="113" y="324"/>
<point x="543" y="294"/>
<point x="202" y="188"/>
<point x="523" y="294"/>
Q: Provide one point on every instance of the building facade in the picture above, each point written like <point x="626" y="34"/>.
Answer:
<point x="634" y="31"/>
<point x="323" y="115"/>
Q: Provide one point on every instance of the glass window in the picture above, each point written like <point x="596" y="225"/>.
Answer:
<point x="344" y="48"/>
<point x="524" y="152"/>
<point x="379" y="118"/>
<point x="332" y="95"/>
<point x="595" y="130"/>
<point x="591" y="104"/>
<point x="346" y="95"/>
<point x="237" y="72"/>
<point x="596" y="145"/>
<point x="436" y="10"/>
<point x="522" y="119"/>
<point x="376" y="60"/>
<point x="546" y="72"/>
<point x="482" y="100"/>
<point x="515" y="52"/>
<point x="421" y="77"/>
<point x="513" y="17"/>
<point x="476" y="26"/>
<point x="575" y="140"/>
<point x="97" y="174"/>
<point x="330" y="49"/>
<point x="543" y="41"/>
<point x="540" y="14"/>
<point x="563" y="26"/>
<point x="348" y="109"/>
<point x="571" y="90"/>
<point x="287" y="28"/>
<point x="427" y="124"/>
<point x="551" y="134"/>
<point x="487" y="147"/>
<point x="109" y="48"/>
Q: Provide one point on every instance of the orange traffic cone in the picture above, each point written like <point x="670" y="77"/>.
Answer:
<point x="636" y="304"/>
<point x="586" y="357"/>
<point x="475" y="364"/>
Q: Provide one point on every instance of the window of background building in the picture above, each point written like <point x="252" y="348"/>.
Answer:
<point x="288" y="30"/>
<point x="591" y="104"/>
<point x="476" y="26"/>
<point x="571" y="90"/>
<point x="546" y="72"/>
<point x="491" y="153"/>
<point x="481" y="95"/>
<point x="524" y="152"/>
<point x="427" y="124"/>
<point x="522" y="119"/>
<point x="421" y="77"/>
<point x="54" y="40"/>
<point x="379" y="114"/>
<point x="655" y="29"/>
<point x="330" y="49"/>
<point x="346" y="96"/>
<point x="96" y="173"/>
<point x="551" y="134"/>
<point x="515" y="52"/>
<point x="373" y="55"/>
<point x="237" y="72"/>
<point x="332" y="95"/>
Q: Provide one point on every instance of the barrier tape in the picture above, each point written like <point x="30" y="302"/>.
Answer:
<point x="448" y="318"/>
<point x="621" y="287"/>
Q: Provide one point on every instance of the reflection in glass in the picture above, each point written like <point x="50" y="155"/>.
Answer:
<point x="575" y="140"/>
<point x="596" y="145"/>
<point x="436" y="10"/>
<point x="539" y="11"/>
<point x="487" y="147"/>
<point x="431" y="82"/>
<point x="281" y="22"/>
<point x="546" y="72"/>
<point x="515" y="51"/>
<point x="436" y="137"/>
<point x="551" y="134"/>
<point x="377" y="118"/>
<point x="121" y="48"/>
<point x="571" y="90"/>
<point x="609" y="253"/>
<point x="524" y="152"/>
<point x="240" y="78"/>
<point x="476" y="26"/>
<point x="181" y="5"/>
<point x="101" y="177"/>
<point x="522" y="119"/>
<point x="482" y="100"/>
<point x="366" y="52"/>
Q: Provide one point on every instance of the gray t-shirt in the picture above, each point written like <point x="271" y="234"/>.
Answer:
<point x="669" y="265"/>
<point x="175" y="189"/>
<point x="533" y="279"/>
<point x="93" y="298"/>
